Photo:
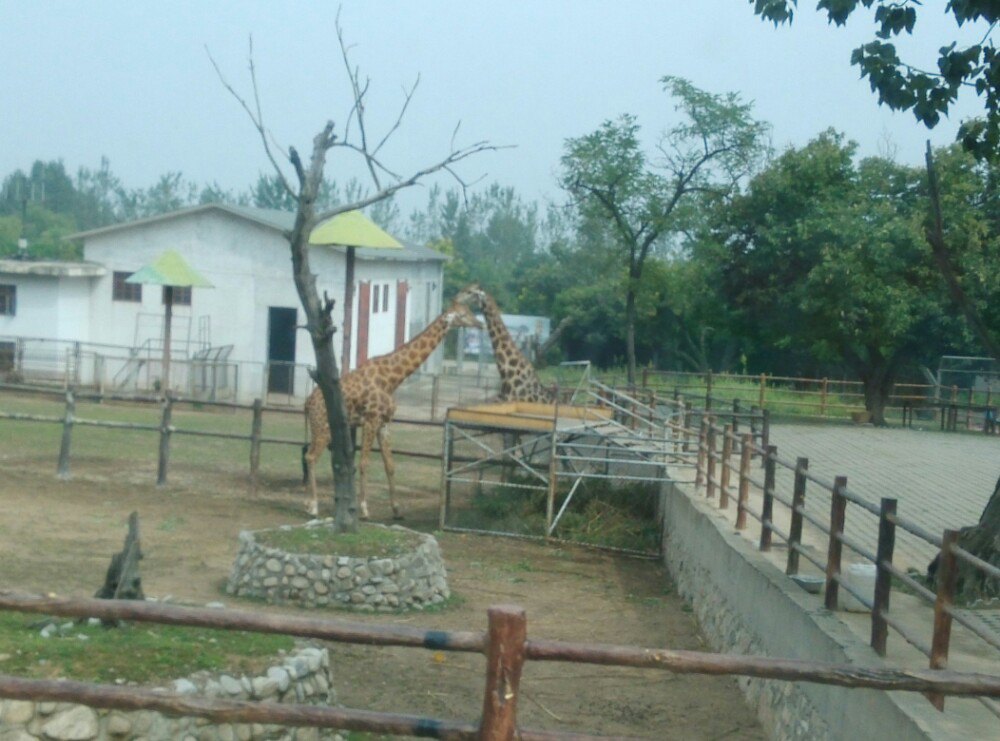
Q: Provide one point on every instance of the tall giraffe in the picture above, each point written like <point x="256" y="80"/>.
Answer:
<point x="368" y="394"/>
<point x="518" y="379"/>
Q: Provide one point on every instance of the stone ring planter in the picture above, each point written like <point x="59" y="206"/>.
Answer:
<point x="411" y="580"/>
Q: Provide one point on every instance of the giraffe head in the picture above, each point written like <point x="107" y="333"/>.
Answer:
<point x="459" y="315"/>
<point x="472" y="295"/>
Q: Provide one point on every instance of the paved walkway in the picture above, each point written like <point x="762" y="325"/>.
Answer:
<point x="940" y="480"/>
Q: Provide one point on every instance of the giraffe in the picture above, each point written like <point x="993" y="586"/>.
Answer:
<point x="518" y="380"/>
<point x="368" y="394"/>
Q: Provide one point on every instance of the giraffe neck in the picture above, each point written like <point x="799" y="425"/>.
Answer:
<point x="499" y="336"/>
<point x="396" y="367"/>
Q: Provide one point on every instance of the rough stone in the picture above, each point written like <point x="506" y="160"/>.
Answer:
<point x="16" y="712"/>
<point x="78" y="723"/>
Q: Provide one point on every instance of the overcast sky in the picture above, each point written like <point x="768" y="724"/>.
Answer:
<point x="132" y="81"/>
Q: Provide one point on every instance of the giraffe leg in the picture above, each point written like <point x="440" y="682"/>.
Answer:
<point x="367" y="438"/>
<point x="310" y="459"/>
<point x="390" y="469"/>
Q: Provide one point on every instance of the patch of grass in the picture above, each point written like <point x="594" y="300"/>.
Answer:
<point x="453" y="601"/>
<point x="600" y="513"/>
<point x="368" y="542"/>
<point x="170" y="523"/>
<point x="143" y="653"/>
<point x="520" y="566"/>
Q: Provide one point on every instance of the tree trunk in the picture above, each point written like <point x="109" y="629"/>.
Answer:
<point x="319" y="322"/>
<point x="982" y="540"/>
<point x="878" y="376"/>
<point x="630" y="333"/>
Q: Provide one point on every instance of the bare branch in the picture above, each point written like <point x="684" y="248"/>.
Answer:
<point x="353" y="74"/>
<point x="407" y="97"/>
<point x="452" y="158"/>
<point x="256" y="118"/>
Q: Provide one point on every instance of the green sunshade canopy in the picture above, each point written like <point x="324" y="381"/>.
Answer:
<point x="169" y="269"/>
<point x="352" y="229"/>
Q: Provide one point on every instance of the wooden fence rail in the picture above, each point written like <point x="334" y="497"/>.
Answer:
<point x="166" y="429"/>
<point x="841" y="500"/>
<point x="504" y="644"/>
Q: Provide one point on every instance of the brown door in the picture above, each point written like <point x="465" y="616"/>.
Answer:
<point x="402" y="288"/>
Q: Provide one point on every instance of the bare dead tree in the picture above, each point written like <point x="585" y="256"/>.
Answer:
<point x="304" y="189"/>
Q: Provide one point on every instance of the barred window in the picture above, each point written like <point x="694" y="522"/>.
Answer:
<point x="8" y="300"/>
<point x="122" y="291"/>
<point x="182" y="295"/>
<point x="375" y="303"/>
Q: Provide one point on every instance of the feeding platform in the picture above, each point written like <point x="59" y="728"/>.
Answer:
<point x="517" y="468"/>
<point x="529" y="416"/>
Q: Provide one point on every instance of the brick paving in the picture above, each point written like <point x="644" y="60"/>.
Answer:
<point x="941" y="480"/>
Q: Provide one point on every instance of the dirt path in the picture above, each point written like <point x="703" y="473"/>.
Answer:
<point x="57" y="536"/>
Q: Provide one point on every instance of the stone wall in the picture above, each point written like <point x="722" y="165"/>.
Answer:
<point x="746" y="605"/>
<point x="409" y="581"/>
<point x="302" y="677"/>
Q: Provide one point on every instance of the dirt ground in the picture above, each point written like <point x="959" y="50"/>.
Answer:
<point x="57" y="536"/>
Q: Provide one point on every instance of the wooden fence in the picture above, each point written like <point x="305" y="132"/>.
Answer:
<point x="166" y="429"/>
<point x="715" y="469"/>
<point x="824" y="398"/>
<point x="505" y="646"/>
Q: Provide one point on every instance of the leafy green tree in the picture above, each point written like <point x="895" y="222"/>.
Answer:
<point x="902" y="86"/>
<point x="827" y="255"/>
<point x="649" y="200"/>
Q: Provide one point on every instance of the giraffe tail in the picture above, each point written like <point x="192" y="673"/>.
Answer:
<point x="305" y="465"/>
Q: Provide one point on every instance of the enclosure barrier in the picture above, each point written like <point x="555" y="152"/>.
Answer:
<point x="714" y="469"/>
<point x="166" y="429"/>
<point x="505" y="645"/>
<point x="823" y="398"/>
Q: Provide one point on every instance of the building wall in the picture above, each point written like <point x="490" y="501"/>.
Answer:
<point x="251" y="269"/>
<point x="48" y="306"/>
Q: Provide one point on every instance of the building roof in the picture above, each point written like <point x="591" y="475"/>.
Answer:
<point x="53" y="268"/>
<point x="280" y="221"/>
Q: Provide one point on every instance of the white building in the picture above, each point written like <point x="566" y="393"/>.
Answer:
<point x="250" y="319"/>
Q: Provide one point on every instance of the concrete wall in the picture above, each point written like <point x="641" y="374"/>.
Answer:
<point x="251" y="269"/>
<point x="48" y="306"/>
<point x="748" y="606"/>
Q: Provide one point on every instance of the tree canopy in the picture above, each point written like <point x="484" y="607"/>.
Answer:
<point x="929" y="94"/>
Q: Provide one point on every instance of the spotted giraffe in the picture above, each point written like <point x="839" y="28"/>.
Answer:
<point x="368" y="394"/>
<point x="518" y="379"/>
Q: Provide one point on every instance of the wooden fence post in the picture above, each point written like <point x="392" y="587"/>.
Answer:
<point x="165" y="430"/>
<point x="699" y="468"/>
<point x="686" y="408"/>
<point x="727" y="454"/>
<point x="63" y="468"/>
<point x="822" y="397"/>
<point x="744" y="493"/>
<point x="838" y="512"/>
<point x="736" y="418"/>
<point x="710" y="460"/>
<point x="883" y="577"/>
<point x="765" y="429"/>
<point x="255" y="432"/>
<point x="505" y="650"/>
<point x="435" y="394"/>
<point x="767" y="508"/>
<point x="708" y="390"/>
<point x="798" y="503"/>
<point x="762" y="396"/>
<point x="947" y="574"/>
